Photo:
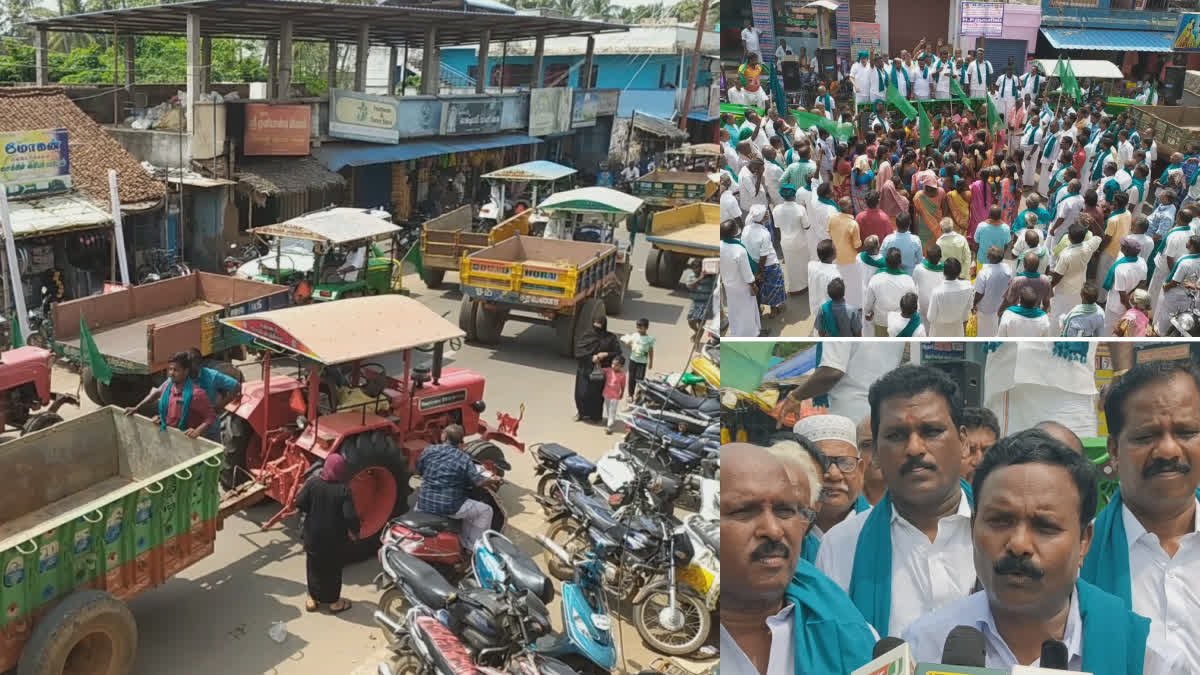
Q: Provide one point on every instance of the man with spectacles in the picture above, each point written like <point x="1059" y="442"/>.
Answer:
<point x="835" y="436"/>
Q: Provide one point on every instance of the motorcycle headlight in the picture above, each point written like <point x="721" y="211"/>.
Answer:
<point x="1187" y="322"/>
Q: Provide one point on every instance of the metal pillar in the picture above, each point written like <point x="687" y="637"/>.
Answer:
<point x="404" y="71"/>
<point x="193" y="67"/>
<point x="503" y="65"/>
<point x="205" y="64"/>
<point x="539" y="63"/>
<point x="585" y="78"/>
<point x="42" y="51"/>
<point x="391" y="77"/>
<point x="332" y="68"/>
<point x="430" y="63"/>
<point x="130" y="48"/>
<point x="482" y="77"/>
<point x="286" y="56"/>
<point x="361" y="51"/>
<point x="272" y="69"/>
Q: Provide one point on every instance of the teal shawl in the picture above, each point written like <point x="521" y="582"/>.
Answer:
<point x="1049" y="149"/>
<point x="940" y="267"/>
<point x="1114" y="640"/>
<point x="1031" y="275"/>
<point x="907" y="82"/>
<point x="1112" y="271"/>
<point x="812" y="545"/>
<point x="829" y="202"/>
<point x="1068" y="350"/>
<point x="1079" y="310"/>
<point x="830" y="634"/>
<point x="1027" y="312"/>
<point x="1175" y="267"/>
<point x="877" y="263"/>
<point x="911" y="326"/>
<point x="1163" y="179"/>
<point x="871" y="578"/>
<point x="165" y="399"/>
<point x="828" y="322"/>
<point x="1152" y="261"/>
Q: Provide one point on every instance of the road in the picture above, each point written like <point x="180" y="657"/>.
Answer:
<point x="214" y="616"/>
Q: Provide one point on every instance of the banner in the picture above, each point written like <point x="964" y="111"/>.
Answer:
<point x="363" y="117"/>
<point x="549" y="111"/>
<point x="984" y="19"/>
<point x="583" y="109"/>
<point x="35" y="163"/>
<point x="864" y="36"/>
<point x="1187" y="35"/>
<point x="471" y="117"/>
<point x="280" y="130"/>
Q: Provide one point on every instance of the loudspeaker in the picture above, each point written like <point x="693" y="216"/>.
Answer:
<point x="790" y="69"/>
<point x="827" y="64"/>
<point x="1172" y="87"/>
<point x="967" y="374"/>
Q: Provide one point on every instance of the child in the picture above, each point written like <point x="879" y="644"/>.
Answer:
<point x="614" y="389"/>
<point x="641" y="353"/>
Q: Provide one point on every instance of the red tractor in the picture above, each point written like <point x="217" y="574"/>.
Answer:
<point x="344" y="400"/>
<point x="25" y="390"/>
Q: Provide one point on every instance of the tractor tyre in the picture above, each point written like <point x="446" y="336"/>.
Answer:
<point x="235" y="437"/>
<point x="652" y="258"/>
<point x="672" y="269"/>
<point x="489" y="324"/>
<point x="489" y="454"/>
<point x="433" y="278"/>
<point x="664" y="271"/>
<point x="589" y="311"/>
<point x="90" y="386"/>
<point x="377" y="473"/>
<point x="127" y="390"/>
<point x="466" y="317"/>
<point x="40" y="421"/>
<point x="88" y="629"/>
<point x="614" y="297"/>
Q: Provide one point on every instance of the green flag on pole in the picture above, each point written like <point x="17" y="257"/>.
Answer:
<point x="957" y="90"/>
<point x="1070" y="84"/>
<point x="414" y="257"/>
<point x="18" y="340"/>
<point x="993" y="117"/>
<point x="924" y="127"/>
<point x="900" y="103"/>
<point x="841" y="132"/>
<point x="89" y="354"/>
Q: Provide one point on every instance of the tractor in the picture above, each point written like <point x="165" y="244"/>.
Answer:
<point x="25" y="390"/>
<point x="344" y="400"/>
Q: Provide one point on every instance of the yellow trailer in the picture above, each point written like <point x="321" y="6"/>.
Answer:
<point x="449" y="238"/>
<point x="690" y="231"/>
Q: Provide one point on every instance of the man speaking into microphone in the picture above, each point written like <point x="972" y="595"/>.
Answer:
<point x="1031" y="529"/>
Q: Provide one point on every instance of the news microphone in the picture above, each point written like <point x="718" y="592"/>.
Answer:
<point x="891" y="656"/>
<point x="965" y="653"/>
<point x="1055" y="659"/>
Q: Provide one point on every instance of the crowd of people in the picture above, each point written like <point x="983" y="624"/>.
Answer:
<point x="901" y="512"/>
<point x="1052" y="221"/>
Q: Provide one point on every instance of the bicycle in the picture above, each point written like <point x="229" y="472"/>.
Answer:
<point x="159" y="264"/>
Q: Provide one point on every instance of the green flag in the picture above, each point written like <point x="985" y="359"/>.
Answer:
<point x="900" y="103"/>
<point x="89" y="354"/>
<point x="957" y="90"/>
<point x="993" y="117"/>
<point x="414" y="257"/>
<point x="1070" y="84"/>
<point x="841" y="132"/>
<point x="924" y="127"/>
<point x="18" y="340"/>
<point x="1058" y="69"/>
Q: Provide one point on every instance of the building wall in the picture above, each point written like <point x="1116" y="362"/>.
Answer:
<point x="645" y="71"/>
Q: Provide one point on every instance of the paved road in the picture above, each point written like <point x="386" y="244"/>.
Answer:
<point x="213" y="617"/>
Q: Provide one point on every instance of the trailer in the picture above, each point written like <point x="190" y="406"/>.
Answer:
<point x="95" y="511"/>
<point x="1175" y="127"/>
<point x="137" y="329"/>
<point x="447" y="239"/>
<point x="551" y="282"/>
<point x="680" y="233"/>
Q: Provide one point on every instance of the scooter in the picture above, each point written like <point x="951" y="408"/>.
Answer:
<point x="498" y="566"/>
<point x="587" y="639"/>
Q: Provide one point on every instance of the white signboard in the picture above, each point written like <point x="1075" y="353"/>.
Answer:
<point x="984" y="19"/>
<point x="550" y="110"/>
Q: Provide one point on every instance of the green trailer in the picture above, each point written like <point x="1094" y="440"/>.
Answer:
<point x="96" y="510"/>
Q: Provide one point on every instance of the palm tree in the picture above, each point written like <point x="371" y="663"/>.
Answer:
<point x="597" y="9"/>
<point x="686" y="11"/>
<point x="565" y="7"/>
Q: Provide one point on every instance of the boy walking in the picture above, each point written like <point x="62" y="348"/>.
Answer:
<point x="641" y="353"/>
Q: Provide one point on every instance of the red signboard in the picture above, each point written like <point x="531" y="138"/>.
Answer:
<point x="277" y="129"/>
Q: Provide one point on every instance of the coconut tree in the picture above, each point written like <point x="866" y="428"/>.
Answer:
<point x="598" y="9"/>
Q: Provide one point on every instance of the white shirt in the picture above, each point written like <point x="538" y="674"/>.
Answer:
<point x="921" y="82"/>
<point x="736" y="95"/>
<point x="771" y="175"/>
<point x="860" y="362"/>
<point x="730" y="208"/>
<point x="783" y="648"/>
<point x="896" y="323"/>
<point x="1124" y="154"/>
<point x="1019" y="362"/>
<point x="978" y="73"/>
<point x="1126" y="277"/>
<point x="1072" y="264"/>
<point x="925" y="576"/>
<point x="901" y="83"/>
<point x="1152" y="153"/>
<point x="1020" y="248"/>
<point x="1175" y="248"/>
<point x="992" y="281"/>
<point x="927" y="281"/>
<point x="750" y="38"/>
<point x="819" y="276"/>
<point x="1068" y="209"/>
<point x="355" y="263"/>
<point x="861" y="75"/>
<point x="883" y="295"/>
<point x="746" y="193"/>
<point x="781" y="52"/>
<point x="757" y="240"/>
<point x="950" y="307"/>
<point x="1015" y="325"/>
<point x="1164" y="589"/>
<point x="927" y="636"/>
<point x="1147" y="244"/>
<point x="1005" y="84"/>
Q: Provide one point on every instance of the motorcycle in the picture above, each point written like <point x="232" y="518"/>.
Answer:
<point x="1187" y="322"/>
<point x="556" y="462"/>
<point x="587" y="638"/>
<point x="498" y="565"/>
<point x="687" y="456"/>
<point x="653" y="393"/>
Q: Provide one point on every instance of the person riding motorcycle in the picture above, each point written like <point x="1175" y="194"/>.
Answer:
<point x="447" y="476"/>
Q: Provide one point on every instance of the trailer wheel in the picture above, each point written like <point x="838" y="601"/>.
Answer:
<point x="564" y="334"/>
<point x="614" y="297"/>
<point x="489" y="323"/>
<point x="40" y="421"/>
<point x="433" y="278"/>
<point x="378" y="480"/>
<point x="125" y="390"/>
<point x="91" y="386"/>
<point x="89" y="631"/>
<point x="466" y="317"/>
<point x="671" y="270"/>
<point x="652" y="258"/>
<point x="235" y="436"/>
<point x="589" y="311"/>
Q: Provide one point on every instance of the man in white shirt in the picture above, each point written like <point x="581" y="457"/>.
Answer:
<point x="1030" y="240"/>
<point x="928" y="277"/>
<point x="866" y="264"/>
<point x="1031" y="140"/>
<point x="750" y="39"/>
<point x="942" y="72"/>
<point x="900" y="77"/>
<point x="772" y="288"/>
<point x="1176" y="295"/>
<point x="1124" y="150"/>
<point x="737" y="278"/>
<point x="990" y="284"/>
<point x="1123" y="277"/>
<point x="950" y="303"/>
<point x="791" y="219"/>
<point x="1066" y="212"/>
<point x="1048" y="158"/>
<point x="845" y="373"/>
<point x="730" y="208"/>
<point x="955" y="246"/>
<point x="1070" y="272"/>
<point x="772" y="171"/>
<point x="860" y="76"/>
<point x="910" y="554"/>
<point x="1174" y="248"/>
<point x="906" y="322"/>
<point x="781" y="51"/>
<point x="1153" y="531"/>
<point x="1025" y="319"/>
<point x="922" y="77"/>
<point x="752" y="186"/>
<point x="885" y="290"/>
<point x="1027" y="382"/>
<point x="820" y="272"/>
<point x="1031" y="587"/>
<point x="1034" y="79"/>
<point x="878" y="80"/>
<point x="979" y="75"/>
<point x="1009" y="87"/>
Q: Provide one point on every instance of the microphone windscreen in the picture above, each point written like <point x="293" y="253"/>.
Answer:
<point x="885" y="645"/>
<point x="1054" y="655"/>
<point x="965" y="646"/>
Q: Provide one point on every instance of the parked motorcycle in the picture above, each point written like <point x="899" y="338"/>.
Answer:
<point x="555" y="462"/>
<point x="658" y="394"/>
<point x="435" y="539"/>
<point x="587" y="638"/>
<point x="1187" y="322"/>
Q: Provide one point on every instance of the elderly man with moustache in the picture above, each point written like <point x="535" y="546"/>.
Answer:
<point x="835" y="437"/>
<point x="1031" y="531"/>
<point x="779" y="615"/>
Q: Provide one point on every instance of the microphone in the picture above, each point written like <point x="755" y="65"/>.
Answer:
<point x="891" y="656"/>
<point x="965" y="653"/>
<point x="1054" y="660"/>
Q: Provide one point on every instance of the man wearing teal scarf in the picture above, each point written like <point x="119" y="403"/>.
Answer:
<point x="182" y="404"/>
<point x="1031" y="530"/>
<point x="779" y="615"/>
<point x="1025" y="319"/>
<point x="887" y="558"/>
<point x="1145" y="546"/>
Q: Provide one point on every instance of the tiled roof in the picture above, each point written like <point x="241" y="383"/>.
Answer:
<point x="93" y="151"/>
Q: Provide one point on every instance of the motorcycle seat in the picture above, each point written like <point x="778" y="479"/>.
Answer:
<point x="554" y="453"/>
<point x="429" y="524"/>
<point x="579" y="465"/>
<point x="430" y="587"/>
<point x="683" y="401"/>
<point x="525" y="572"/>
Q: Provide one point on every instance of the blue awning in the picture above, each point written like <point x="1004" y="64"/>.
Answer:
<point x="701" y="117"/>
<point x="1108" y="40"/>
<point x="335" y="156"/>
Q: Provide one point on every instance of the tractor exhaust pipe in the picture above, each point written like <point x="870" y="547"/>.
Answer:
<point x="439" y="351"/>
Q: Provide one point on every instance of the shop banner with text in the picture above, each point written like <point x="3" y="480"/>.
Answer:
<point x="280" y="130"/>
<point x="35" y="162"/>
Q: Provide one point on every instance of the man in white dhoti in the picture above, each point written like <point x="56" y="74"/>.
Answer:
<point x="1185" y="271"/>
<point x="1031" y="140"/>
<point x="1122" y="277"/>
<point x="1009" y="86"/>
<point x="752" y="186"/>
<point x="1025" y="319"/>
<point x="990" y="284"/>
<point x="730" y="208"/>
<point x="1070" y="272"/>
<point x="860" y="74"/>
<point x="928" y="276"/>
<point x="1173" y="247"/>
<point x="1027" y="382"/>
<point x="866" y="265"/>
<point x="1048" y="158"/>
<point x="737" y="278"/>
<point x="792" y="220"/>
<point x="979" y="75"/>
<point x="820" y="211"/>
<point x="950" y="303"/>
<point x="820" y="272"/>
<point x="1066" y="213"/>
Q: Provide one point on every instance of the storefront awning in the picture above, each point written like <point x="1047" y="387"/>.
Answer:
<point x="337" y="156"/>
<point x="1108" y="40"/>
<point x="701" y="116"/>
<point x="55" y="214"/>
<point x="657" y="126"/>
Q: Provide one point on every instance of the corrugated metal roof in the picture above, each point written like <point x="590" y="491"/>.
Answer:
<point x="668" y="39"/>
<point x="599" y="199"/>
<point x="55" y="214"/>
<point x="337" y="156"/>
<point x="1099" y="39"/>
<point x="337" y="226"/>
<point x="536" y="170"/>
<point x="1086" y="68"/>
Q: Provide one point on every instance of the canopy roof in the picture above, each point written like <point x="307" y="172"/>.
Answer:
<point x="596" y="199"/>
<point x="348" y="330"/>
<point x="1100" y="69"/>
<point x="538" y="170"/>
<point x="335" y="226"/>
<point x="693" y="149"/>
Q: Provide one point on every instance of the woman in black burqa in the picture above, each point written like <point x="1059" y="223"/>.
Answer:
<point x="330" y="522"/>
<point x="593" y="352"/>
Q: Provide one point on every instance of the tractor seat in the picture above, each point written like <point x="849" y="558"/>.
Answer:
<point x="430" y="587"/>
<point x="525" y="572"/>
<point x="429" y="524"/>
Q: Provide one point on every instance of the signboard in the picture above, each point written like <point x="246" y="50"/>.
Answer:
<point x="797" y="21"/>
<point x="549" y="111"/>
<point x="985" y="19"/>
<point x="1187" y="35"/>
<point x="471" y="116"/>
<point x="363" y="117"/>
<point x="764" y="20"/>
<point x="583" y="109"/>
<point x="864" y="35"/>
<point x="606" y="101"/>
<point x="422" y="116"/>
<point x="282" y="130"/>
<point x="35" y="163"/>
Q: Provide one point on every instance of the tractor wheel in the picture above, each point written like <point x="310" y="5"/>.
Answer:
<point x="466" y="317"/>
<point x="90" y="386"/>
<point x="564" y="334"/>
<point x="489" y="323"/>
<point x="672" y="269"/>
<point x="235" y="436"/>
<point x="652" y="257"/>
<point x="589" y="311"/>
<point x="433" y="278"/>
<point x="89" y="631"/>
<point x="377" y="474"/>
<point x="40" y="421"/>
<point x="488" y="454"/>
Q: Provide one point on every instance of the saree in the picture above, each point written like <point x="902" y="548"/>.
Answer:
<point x="1010" y="197"/>
<point x="981" y="202"/>
<point x="891" y="201"/>
<point x="929" y="214"/>
<point x="860" y="185"/>
<point x="959" y="211"/>
<point x="841" y="180"/>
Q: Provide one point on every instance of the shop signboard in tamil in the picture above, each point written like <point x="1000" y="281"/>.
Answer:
<point x="583" y="109"/>
<point x="280" y="130"/>
<point x="514" y="111"/>
<point x="363" y="117"/>
<point x="864" y="36"/>
<point x="549" y="111"/>
<point x="1187" y="34"/>
<point x="422" y="116"/>
<point x="606" y="101"/>
<point x="35" y="162"/>
<point x="983" y="19"/>
<point x="471" y="116"/>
